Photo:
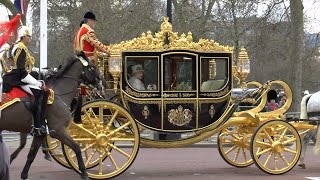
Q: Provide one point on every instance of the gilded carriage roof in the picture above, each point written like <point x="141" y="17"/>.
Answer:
<point x="149" y="42"/>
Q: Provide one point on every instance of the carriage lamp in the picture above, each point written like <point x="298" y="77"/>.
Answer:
<point x="243" y="67"/>
<point x="115" y="64"/>
<point x="212" y="69"/>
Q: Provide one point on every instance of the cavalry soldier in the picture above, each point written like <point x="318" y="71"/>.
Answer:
<point x="19" y="76"/>
<point x="86" y="40"/>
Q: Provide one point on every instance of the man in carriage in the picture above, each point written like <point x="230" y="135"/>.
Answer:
<point x="20" y="76"/>
<point x="86" y="40"/>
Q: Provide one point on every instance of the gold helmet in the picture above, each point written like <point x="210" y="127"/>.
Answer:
<point x="24" y="31"/>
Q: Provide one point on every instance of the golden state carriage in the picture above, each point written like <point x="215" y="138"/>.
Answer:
<point x="191" y="96"/>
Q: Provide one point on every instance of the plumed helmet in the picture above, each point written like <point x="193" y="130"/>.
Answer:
<point x="90" y="15"/>
<point x="24" y="31"/>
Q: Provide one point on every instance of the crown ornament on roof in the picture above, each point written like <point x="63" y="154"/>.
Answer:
<point x="149" y="42"/>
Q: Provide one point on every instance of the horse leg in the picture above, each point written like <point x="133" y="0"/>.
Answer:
<point x="23" y="141"/>
<point x="36" y="143"/>
<point x="45" y="151"/>
<point x="305" y="142"/>
<point x="66" y="139"/>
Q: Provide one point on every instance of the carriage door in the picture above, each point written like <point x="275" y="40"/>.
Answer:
<point x="179" y="91"/>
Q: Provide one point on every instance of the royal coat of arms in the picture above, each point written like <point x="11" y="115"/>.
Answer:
<point x="179" y="116"/>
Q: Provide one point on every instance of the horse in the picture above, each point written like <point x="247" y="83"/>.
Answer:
<point x="65" y="85"/>
<point x="310" y="110"/>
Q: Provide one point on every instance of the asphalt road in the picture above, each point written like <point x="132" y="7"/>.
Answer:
<point x="201" y="163"/>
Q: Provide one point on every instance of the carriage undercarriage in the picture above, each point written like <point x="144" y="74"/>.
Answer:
<point x="109" y="134"/>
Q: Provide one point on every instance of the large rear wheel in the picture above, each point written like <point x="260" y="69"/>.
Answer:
<point x="108" y="137"/>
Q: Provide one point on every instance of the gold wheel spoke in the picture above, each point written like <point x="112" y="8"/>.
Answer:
<point x="231" y="149"/>
<point x="113" y="118"/>
<point x="87" y="147"/>
<point x="89" y="118"/>
<point x="113" y="162"/>
<point x="119" y="150"/>
<point x="283" y="133"/>
<point x="236" y="155"/>
<point x="263" y="144"/>
<point x="84" y="129"/>
<point x="244" y="155"/>
<point x="119" y="129"/>
<point x="100" y="163"/>
<point x="268" y="135"/>
<point x="289" y="141"/>
<point x="90" y="156"/>
<point x="268" y="158"/>
<point x="284" y="159"/>
<point x="263" y="151"/>
<point x="290" y="150"/>
<point x="101" y="113"/>
<point x="276" y="162"/>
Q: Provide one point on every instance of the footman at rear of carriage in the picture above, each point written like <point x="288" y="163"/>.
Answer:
<point x="20" y="77"/>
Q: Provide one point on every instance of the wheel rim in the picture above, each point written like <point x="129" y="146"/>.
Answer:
<point x="276" y="147"/>
<point x="55" y="150"/>
<point x="234" y="146"/>
<point x="108" y="138"/>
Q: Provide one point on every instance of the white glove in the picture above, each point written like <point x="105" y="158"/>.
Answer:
<point x="32" y="81"/>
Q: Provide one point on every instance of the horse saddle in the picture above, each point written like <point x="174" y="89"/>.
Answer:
<point x="16" y="94"/>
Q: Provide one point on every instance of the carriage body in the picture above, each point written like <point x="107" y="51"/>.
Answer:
<point x="186" y="99"/>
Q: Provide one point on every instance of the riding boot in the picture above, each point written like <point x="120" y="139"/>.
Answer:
<point x="39" y="112"/>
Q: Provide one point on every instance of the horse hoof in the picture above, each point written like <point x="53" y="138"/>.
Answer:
<point x="48" y="157"/>
<point x="303" y="166"/>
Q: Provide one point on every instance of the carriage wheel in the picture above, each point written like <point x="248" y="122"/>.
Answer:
<point x="108" y="137"/>
<point x="234" y="146"/>
<point x="276" y="147"/>
<point x="55" y="150"/>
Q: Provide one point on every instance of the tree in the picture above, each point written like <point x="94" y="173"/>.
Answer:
<point x="296" y="50"/>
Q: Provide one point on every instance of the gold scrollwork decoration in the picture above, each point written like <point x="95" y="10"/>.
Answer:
<point x="149" y="42"/>
<point x="136" y="94"/>
<point x="217" y="94"/>
<point x="180" y="116"/>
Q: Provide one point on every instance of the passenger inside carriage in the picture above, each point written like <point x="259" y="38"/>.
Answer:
<point x="136" y="77"/>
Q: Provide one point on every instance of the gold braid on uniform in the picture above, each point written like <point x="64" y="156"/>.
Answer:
<point x="91" y="38"/>
<point x="29" y="59"/>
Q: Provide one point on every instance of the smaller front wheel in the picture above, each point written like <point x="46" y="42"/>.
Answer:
<point x="276" y="147"/>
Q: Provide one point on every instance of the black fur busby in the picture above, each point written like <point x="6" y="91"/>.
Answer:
<point x="90" y="15"/>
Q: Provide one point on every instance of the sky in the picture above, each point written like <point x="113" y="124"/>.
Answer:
<point x="312" y="24"/>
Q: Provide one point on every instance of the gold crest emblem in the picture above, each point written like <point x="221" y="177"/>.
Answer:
<point x="145" y="112"/>
<point x="180" y="116"/>
<point x="212" y="111"/>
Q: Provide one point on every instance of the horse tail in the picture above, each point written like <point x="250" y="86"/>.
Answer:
<point x="303" y="107"/>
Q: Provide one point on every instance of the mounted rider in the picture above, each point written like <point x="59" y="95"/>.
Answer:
<point x="86" y="40"/>
<point x="20" y="76"/>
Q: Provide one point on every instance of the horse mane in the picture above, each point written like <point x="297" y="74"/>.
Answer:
<point x="69" y="63"/>
<point x="64" y="68"/>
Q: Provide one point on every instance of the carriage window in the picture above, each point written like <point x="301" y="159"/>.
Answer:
<point x="214" y="73"/>
<point x="179" y="72"/>
<point x="142" y="73"/>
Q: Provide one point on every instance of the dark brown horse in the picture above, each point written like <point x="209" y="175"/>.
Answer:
<point x="65" y="84"/>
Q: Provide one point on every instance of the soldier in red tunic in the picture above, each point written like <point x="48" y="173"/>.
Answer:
<point x="86" y="40"/>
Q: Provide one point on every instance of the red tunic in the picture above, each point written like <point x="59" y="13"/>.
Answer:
<point x="86" y="41"/>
